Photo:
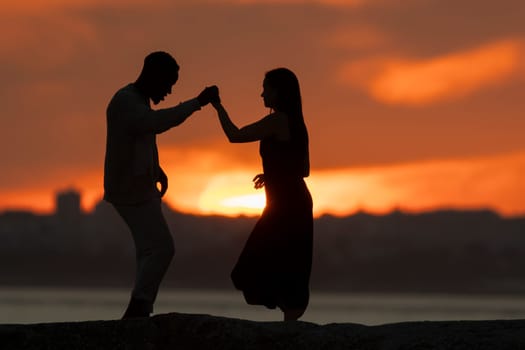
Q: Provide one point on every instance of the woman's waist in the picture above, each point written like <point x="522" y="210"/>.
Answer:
<point x="285" y="187"/>
<point x="283" y="178"/>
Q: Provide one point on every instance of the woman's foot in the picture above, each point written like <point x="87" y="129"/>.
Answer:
<point x="293" y="314"/>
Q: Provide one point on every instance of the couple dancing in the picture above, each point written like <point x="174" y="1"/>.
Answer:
<point x="274" y="266"/>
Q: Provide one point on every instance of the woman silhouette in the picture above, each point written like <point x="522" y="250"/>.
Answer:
<point x="274" y="267"/>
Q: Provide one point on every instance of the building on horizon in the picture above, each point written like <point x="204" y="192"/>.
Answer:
<point x="67" y="204"/>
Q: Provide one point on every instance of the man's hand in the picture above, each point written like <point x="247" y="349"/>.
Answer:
<point x="209" y="94"/>
<point x="163" y="180"/>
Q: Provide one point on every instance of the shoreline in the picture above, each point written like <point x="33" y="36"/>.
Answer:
<point x="200" y="331"/>
<point x="46" y="305"/>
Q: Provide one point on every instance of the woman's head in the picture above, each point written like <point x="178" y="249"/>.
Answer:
<point x="281" y="91"/>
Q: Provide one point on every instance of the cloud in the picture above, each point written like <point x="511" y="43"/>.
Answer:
<point x="57" y="39"/>
<point x="344" y="3"/>
<point x="419" y="82"/>
<point x="46" y="6"/>
<point x="357" y="37"/>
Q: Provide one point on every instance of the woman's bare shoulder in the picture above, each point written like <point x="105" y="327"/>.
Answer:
<point x="277" y="116"/>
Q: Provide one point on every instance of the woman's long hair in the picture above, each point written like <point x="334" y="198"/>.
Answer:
<point x="288" y="100"/>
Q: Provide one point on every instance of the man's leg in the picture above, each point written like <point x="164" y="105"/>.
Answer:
<point x="154" y="251"/>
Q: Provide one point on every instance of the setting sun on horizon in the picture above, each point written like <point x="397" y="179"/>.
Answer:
<point x="493" y="183"/>
<point x="231" y="194"/>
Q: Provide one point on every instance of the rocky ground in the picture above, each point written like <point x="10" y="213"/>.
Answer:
<point x="186" y="331"/>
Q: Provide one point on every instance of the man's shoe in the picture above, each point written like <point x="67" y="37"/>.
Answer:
<point x="137" y="308"/>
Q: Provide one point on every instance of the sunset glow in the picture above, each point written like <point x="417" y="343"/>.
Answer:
<point x="345" y="3"/>
<point x="231" y="194"/>
<point x="248" y="201"/>
<point x="476" y="183"/>
<point x="417" y="82"/>
<point x="409" y="105"/>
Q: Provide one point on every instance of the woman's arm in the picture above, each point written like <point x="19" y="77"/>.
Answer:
<point x="272" y="125"/>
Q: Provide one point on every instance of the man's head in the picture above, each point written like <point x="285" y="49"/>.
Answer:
<point x="159" y="73"/>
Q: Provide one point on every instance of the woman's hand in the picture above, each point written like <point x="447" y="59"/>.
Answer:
<point x="258" y="181"/>
<point x="216" y="104"/>
<point x="163" y="181"/>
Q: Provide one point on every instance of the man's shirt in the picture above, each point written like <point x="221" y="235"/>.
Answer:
<point x="131" y="167"/>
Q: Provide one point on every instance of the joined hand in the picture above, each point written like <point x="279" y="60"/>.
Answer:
<point x="209" y="94"/>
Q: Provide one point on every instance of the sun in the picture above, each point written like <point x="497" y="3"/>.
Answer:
<point x="232" y="195"/>
<point x="248" y="201"/>
<point x="234" y="205"/>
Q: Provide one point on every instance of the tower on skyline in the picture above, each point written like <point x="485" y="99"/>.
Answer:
<point x="67" y="205"/>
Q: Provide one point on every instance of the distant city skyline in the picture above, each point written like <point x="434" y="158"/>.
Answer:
<point x="440" y="252"/>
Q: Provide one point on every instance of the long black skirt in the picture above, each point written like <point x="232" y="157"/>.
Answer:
<point x="274" y="267"/>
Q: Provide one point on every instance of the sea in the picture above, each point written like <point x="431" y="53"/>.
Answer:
<point x="44" y="305"/>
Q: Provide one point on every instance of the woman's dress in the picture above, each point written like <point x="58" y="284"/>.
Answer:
<point x="274" y="267"/>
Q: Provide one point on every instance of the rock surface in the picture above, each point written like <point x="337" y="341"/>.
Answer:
<point x="187" y="331"/>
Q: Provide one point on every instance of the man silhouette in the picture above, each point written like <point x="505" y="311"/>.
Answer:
<point x="132" y="172"/>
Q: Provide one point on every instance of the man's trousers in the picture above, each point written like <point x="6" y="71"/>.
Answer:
<point x="153" y="244"/>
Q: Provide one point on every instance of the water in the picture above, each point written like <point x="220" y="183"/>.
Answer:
<point x="39" y="305"/>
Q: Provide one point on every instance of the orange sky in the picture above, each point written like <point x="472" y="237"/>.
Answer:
<point x="418" y="106"/>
